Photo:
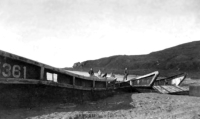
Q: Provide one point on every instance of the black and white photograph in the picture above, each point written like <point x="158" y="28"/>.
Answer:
<point x="99" y="59"/>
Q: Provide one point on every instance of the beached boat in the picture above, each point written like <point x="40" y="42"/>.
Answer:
<point x="171" y="85"/>
<point x="139" y="84"/>
<point x="171" y="80"/>
<point x="25" y="83"/>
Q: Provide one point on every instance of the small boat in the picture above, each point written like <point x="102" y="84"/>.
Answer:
<point x="26" y="83"/>
<point x="171" y="80"/>
<point x="171" y="85"/>
<point x="139" y="84"/>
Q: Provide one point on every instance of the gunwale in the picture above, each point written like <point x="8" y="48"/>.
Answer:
<point x="127" y="86"/>
<point x="154" y="74"/>
<point x="50" y="83"/>
<point x="16" y="57"/>
<point x="92" y="79"/>
<point x="24" y="83"/>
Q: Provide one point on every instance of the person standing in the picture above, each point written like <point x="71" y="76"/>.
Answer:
<point x="125" y="74"/>
<point x="91" y="72"/>
<point x="99" y="73"/>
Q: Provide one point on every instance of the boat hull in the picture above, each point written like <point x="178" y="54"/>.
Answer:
<point x="32" y="95"/>
<point x="139" y="84"/>
<point x="172" y="80"/>
<point x="27" y="83"/>
<point x="171" y="85"/>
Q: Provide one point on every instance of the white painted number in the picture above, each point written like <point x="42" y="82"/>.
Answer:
<point x="7" y="72"/>
<point x="24" y="72"/>
<point x="16" y="71"/>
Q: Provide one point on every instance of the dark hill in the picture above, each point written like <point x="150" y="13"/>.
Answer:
<point x="181" y="58"/>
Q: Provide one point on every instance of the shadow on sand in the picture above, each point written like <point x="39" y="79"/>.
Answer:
<point x="116" y="102"/>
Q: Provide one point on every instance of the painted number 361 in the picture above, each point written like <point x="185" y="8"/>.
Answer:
<point x="15" y="71"/>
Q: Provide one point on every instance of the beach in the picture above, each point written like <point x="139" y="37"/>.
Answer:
<point x="123" y="106"/>
<point x="119" y="106"/>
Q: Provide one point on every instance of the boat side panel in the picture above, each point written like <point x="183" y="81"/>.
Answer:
<point x="83" y="83"/>
<point x="100" y="84"/>
<point x="170" y="80"/>
<point x="11" y="68"/>
<point x="16" y="67"/>
<point x="30" y="95"/>
<point x="66" y="79"/>
<point x="143" y="81"/>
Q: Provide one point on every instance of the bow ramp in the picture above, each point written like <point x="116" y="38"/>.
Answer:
<point x="171" y="89"/>
<point x="171" y="85"/>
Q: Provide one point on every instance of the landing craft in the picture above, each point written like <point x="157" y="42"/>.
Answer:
<point x="142" y="83"/>
<point x="27" y="83"/>
<point x="151" y="83"/>
<point x="171" y="85"/>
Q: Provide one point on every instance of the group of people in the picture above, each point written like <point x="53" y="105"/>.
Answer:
<point x="100" y="74"/>
<point x="126" y="73"/>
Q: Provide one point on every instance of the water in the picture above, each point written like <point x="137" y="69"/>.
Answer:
<point x="118" y="76"/>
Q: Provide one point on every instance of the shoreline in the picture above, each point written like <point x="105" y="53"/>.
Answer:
<point x="118" y="76"/>
<point x="124" y="106"/>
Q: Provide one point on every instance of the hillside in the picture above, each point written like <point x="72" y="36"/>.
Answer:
<point x="181" y="58"/>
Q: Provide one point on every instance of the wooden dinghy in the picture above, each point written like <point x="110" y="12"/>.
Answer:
<point x="26" y="83"/>
<point x="171" y="85"/>
<point x="139" y="84"/>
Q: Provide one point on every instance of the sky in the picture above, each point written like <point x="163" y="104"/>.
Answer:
<point x="62" y="32"/>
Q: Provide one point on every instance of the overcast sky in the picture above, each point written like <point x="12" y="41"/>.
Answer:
<point x="62" y="32"/>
